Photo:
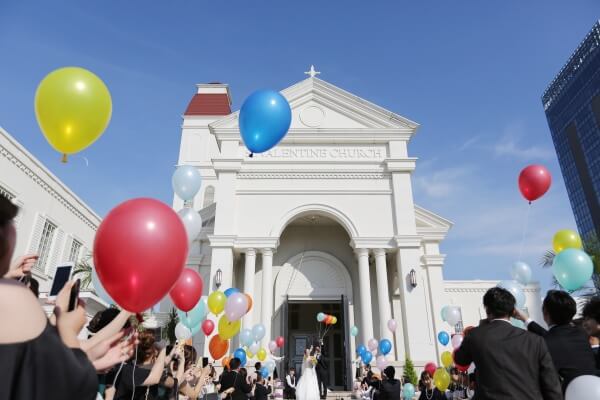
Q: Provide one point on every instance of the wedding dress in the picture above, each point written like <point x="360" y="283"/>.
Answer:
<point x="308" y="385"/>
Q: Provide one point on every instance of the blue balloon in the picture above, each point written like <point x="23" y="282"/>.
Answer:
<point x="385" y="346"/>
<point x="246" y="338"/>
<point x="264" y="372"/>
<point x="367" y="357"/>
<point x="572" y="268"/>
<point x="521" y="272"/>
<point x="361" y="349"/>
<point x="265" y="118"/>
<point x="186" y="182"/>
<point x="408" y="391"/>
<point x="516" y="290"/>
<point x="241" y="355"/>
<point x="99" y="289"/>
<point x="231" y="291"/>
<point x="444" y="338"/>
<point x="195" y="316"/>
<point x="320" y="317"/>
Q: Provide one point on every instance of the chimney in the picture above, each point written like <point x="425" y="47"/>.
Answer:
<point x="211" y="99"/>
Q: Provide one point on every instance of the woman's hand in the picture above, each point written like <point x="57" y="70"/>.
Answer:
<point x="22" y="266"/>
<point x="118" y="353"/>
<point x="69" y="323"/>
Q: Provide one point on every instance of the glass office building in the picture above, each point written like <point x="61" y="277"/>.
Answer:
<point x="572" y="105"/>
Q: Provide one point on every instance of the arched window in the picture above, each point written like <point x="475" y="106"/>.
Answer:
<point x="209" y="196"/>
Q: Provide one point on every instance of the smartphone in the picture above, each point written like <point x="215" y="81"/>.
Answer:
<point x="74" y="295"/>
<point x="61" y="277"/>
<point x="204" y="361"/>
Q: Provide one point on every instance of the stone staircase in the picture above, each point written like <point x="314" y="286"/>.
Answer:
<point x="339" y="395"/>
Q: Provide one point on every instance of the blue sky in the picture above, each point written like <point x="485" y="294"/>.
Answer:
<point x="471" y="73"/>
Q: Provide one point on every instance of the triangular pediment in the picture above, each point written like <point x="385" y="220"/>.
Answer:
<point x="427" y="220"/>
<point x="317" y="104"/>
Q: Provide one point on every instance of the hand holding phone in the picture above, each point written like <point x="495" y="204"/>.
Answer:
<point x="74" y="295"/>
<point x="61" y="277"/>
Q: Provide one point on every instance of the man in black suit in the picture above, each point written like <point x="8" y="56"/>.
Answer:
<point x="389" y="388"/>
<point x="568" y="344"/>
<point x="262" y="390"/>
<point x="321" y="370"/>
<point x="233" y="383"/>
<point x="591" y="321"/>
<point x="511" y="363"/>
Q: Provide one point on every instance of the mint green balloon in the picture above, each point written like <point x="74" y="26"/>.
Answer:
<point x="354" y="331"/>
<point x="572" y="268"/>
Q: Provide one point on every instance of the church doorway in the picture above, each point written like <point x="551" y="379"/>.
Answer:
<point x="303" y="330"/>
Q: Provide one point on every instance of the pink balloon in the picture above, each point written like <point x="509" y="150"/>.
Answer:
<point x="457" y="340"/>
<point x="372" y="345"/>
<point x="392" y="326"/>
<point x="381" y="362"/>
<point x="236" y="306"/>
<point x="187" y="290"/>
<point x="272" y="346"/>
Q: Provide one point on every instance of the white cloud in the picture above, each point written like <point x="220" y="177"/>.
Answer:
<point x="443" y="182"/>
<point x="510" y="147"/>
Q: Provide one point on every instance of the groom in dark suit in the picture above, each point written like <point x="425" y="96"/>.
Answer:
<point x="322" y="371"/>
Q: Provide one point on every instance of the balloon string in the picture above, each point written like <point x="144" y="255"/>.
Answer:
<point x="133" y="373"/>
<point x="525" y="226"/>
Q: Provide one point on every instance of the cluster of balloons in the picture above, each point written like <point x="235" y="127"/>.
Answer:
<point x="572" y="267"/>
<point x="534" y="182"/>
<point x="326" y="318"/>
<point x="73" y="108"/>
<point x="366" y="353"/>
<point x="186" y="182"/>
<point x="265" y="118"/>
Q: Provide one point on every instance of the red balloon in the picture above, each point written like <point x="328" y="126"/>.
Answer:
<point x="534" y="181"/>
<point x="140" y="250"/>
<point x="280" y="341"/>
<point x="207" y="327"/>
<point x="187" y="290"/>
<point x="430" y="368"/>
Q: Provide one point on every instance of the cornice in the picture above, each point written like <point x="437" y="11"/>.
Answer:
<point x="41" y="182"/>
<point x="313" y="175"/>
<point x="434" y="260"/>
<point x="479" y="286"/>
<point x="327" y="135"/>
<point x="227" y="164"/>
<point x="275" y="192"/>
<point x="372" y="243"/>
<point x="432" y="234"/>
<point x="217" y="241"/>
<point x="401" y="164"/>
<point x="408" y="241"/>
<point x="256" y="243"/>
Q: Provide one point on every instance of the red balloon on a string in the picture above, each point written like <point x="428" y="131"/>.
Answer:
<point x="534" y="181"/>
<point x="139" y="252"/>
<point x="187" y="290"/>
<point x="207" y="327"/>
<point x="430" y="368"/>
<point x="279" y="341"/>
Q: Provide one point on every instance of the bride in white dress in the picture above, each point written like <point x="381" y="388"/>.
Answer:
<point x="308" y="385"/>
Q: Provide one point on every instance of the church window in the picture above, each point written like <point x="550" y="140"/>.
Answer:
<point x="209" y="196"/>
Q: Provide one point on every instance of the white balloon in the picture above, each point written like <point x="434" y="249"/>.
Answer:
<point x="516" y="290"/>
<point x="452" y="315"/>
<point x="182" y="332"/>
<point x="192" y="222"/>
<point x="583" y="387"/>
<point x="521" y="272"/>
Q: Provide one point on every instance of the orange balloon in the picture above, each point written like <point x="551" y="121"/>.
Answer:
<point x="249" y="302"/>
<point x="328" y="319"/>
<point x="225" y="361"/>
<point x="218" y="347"/>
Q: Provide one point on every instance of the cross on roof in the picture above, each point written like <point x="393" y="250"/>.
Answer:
<point x="312" y="73"/>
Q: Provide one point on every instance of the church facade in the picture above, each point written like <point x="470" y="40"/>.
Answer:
<point x="325" y="221"/>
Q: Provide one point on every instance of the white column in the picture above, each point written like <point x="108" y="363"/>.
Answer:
<point x="366" y="312"/>
<point x="382" y="293"/>
<point x="267" y="291"/>
<point x="249" y="270"/>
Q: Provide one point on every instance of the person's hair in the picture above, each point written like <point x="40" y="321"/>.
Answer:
<point x="257" y="365"/>
<point x="390" y="372"/>
<point x="592" y="309"/>
<point x="243" y="371"/>
<point x="560" y="307"/>
<point x="34" y="286"/>
<point x="234" y="363"/>
<point x="421" y="383"/>
<point x="499" y="302"/>
<point x="190" y="354"/>
<point x="103" y="318"/>
<point x="454" y="371"/>
<point x="425" y="375"/>
<point x="145" y="348"/>
<point x="8" y="212"/>
<point x="291" y="369"/>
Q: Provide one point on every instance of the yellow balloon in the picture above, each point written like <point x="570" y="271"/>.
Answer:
<point x="249" y="354"/>
<point x="262" y="354"/>
<point x="566" y="239"/>
<point x="228" y="329"/>
<point x="447" y="359"/>
<point x="333" y="320"/>
<point x="73" y="108"/>
<point x="441" y="379"/>
<point x="216" y="302"/>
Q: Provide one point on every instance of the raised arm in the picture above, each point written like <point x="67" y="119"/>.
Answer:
<point x="107" y="332"/>
<point x="157" y="369"/>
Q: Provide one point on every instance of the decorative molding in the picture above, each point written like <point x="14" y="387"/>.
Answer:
<point x="478" y="286"/>
<point x="47" y="188"/>
<point x="408" y="241"/>
<point x="313" y="175"/>
<point x="221" y="240"/>
<point x="433" y="260"/>
<point x="278" y="192"/>
<point x="372" y="242"/>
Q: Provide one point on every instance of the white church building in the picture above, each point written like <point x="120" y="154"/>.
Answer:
<point x="325" y="221"/>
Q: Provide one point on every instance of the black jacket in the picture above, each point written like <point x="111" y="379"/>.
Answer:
<point x="321" y="367"/>
<point x="261" y="392"/>
<point x="570" y="350"/>
<point x="511" y="363"/>
<point x="233" y="379"/>
<point x="389" y="389"/>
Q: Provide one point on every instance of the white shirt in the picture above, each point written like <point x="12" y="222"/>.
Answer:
<point x="288" y="379"/>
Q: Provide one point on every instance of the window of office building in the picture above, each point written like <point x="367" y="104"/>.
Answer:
<point x="45" y="245"/>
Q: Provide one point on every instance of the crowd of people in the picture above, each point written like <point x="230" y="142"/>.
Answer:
<point x="44" y="358"/>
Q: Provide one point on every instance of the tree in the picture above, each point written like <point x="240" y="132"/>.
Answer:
<point x="83" y="269"/>
<point x="169" y="330"/>
<point x="410" y="375"/>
